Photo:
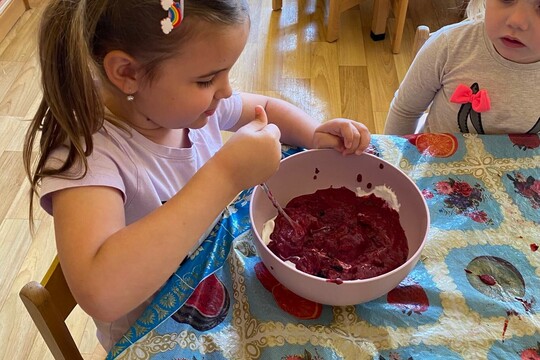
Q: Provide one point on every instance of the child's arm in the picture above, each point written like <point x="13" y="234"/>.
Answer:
<point x="300" y="129"/>
<point x="418" y="89"/>
<point x="112" y="268"/>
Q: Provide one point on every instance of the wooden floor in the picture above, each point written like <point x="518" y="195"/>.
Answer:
<point x="286" y="57"/>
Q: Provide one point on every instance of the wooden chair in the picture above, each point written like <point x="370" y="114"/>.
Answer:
<point x="334" y="15"/>
<point x="381" y="11"/>
<point x="420" y="37"/>
<point x="49" y="304"/>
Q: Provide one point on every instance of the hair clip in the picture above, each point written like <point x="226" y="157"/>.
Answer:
<point x="175" y="8"/>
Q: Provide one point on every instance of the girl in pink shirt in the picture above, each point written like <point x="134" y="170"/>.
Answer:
<point x="135" y="95"/>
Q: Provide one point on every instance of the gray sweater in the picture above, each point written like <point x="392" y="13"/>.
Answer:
<point x="463" y="54"/>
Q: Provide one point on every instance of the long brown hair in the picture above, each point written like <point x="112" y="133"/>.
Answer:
<point x="75" y="36"/>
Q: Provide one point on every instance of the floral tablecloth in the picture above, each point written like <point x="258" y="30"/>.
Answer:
<point x="473" y="295"/>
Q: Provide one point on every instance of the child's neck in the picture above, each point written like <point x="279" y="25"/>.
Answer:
<point x="176" y="138"/>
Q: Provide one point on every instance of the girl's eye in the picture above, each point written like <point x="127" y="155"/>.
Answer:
<point x="205" y="84"/>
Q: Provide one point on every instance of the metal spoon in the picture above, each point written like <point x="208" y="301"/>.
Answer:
<point x="297" y="228"/>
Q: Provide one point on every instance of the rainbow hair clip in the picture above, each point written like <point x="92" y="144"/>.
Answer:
<point x="175" y="9"/>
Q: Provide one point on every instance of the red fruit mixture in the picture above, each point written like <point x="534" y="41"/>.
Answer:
<point x="345" y="236"/>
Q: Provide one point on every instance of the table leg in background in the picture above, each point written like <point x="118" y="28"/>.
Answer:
<point x="381" y="10"/>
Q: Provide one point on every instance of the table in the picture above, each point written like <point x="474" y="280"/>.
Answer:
<point x="473" y="295"/>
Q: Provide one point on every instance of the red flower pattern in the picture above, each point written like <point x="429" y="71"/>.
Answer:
<point x="528" y="187"/>
<point x="460" y="198"/>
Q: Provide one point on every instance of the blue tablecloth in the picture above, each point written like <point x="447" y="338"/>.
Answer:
<point x="473" y="295"/>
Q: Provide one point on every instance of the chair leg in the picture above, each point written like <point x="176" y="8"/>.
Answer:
<point x="420" y="37"/>
<point x="334" y="14"/>
<point x="276" y="4"/>
<point x="381" y="11"/>
<point x="49" y="321"/>
<point x="401" y="15"/>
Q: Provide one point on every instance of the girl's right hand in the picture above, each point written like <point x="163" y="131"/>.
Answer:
<point x="253" y="153"/>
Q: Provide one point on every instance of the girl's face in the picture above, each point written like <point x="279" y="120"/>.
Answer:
<point x="513" y="27"/>
<point x="188" y="87"/>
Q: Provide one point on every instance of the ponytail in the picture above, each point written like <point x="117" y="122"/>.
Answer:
<point x="71" y="109"/>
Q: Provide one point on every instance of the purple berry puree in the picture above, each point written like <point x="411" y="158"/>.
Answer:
<point x="346" y="237"/>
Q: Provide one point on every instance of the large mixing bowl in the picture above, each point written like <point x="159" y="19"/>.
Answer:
<point x="308" y="171"/>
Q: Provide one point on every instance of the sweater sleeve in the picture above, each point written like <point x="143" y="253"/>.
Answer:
<point x="422" y="81"/>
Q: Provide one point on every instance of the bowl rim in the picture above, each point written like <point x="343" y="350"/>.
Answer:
<point x="410" y="260"/>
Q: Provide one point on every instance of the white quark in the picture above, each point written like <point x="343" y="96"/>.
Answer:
<point x="268" y="229"/>
<point x="383" y="192"/>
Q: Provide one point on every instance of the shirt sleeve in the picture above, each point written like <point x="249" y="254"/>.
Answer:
<point x="102" y="171"/>
<point x="422" y="81"/>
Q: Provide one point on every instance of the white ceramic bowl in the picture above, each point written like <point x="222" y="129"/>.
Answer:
<point x="308" y="171"/>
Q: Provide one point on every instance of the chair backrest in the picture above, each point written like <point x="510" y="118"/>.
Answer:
<point x="420" y="37"/>
<point x="49" y="304"/>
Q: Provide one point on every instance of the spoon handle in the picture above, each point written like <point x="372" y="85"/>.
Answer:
<point x="293" y="223"/>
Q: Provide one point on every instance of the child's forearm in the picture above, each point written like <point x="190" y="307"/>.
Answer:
<point x="399" y="125"/>
<point x="297" y="127"/>
<point x="136" y="260"/>
<point x="112" y="267"/>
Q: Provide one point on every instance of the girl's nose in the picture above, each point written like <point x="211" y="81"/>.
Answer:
<point x="520" y="15"/>
<point x="225" y="90"/>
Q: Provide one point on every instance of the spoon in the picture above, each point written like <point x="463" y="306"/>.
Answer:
<point x="297" y="228"/>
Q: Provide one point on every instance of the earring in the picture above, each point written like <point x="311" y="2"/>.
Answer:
<point x="130" y="98"/>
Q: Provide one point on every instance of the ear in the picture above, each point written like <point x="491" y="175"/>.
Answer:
<point x="122" y="69"/>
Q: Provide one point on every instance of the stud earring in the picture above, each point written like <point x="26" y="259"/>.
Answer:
<point x="130" y="98"/>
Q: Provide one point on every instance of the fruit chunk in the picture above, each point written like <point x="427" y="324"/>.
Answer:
<point x="265" y="277"/>
<point x="287" y="300"/>
<point x="531" y="354"/>
<point x="483" y="272"/>
<point x="525" y="141"/>
<point x="436" y="145"/>
<point x="296" y="305"/>
<point x="409" y="297"/>
<point x="207" y="307"/>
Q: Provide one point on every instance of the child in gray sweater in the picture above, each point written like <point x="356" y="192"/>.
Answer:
<point x="481" y="75"/>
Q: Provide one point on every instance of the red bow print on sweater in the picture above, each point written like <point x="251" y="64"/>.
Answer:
<point x="480" y="101"/>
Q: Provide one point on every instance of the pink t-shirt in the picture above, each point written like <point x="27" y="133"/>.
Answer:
<point x="147" y="174"/>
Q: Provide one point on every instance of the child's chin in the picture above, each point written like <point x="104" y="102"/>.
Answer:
<point x="200" y="122"/>
<point x="514" y="54"/>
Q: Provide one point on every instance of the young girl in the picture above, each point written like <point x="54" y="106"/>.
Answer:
<point x="481" y="75"/>
<point x="131" y="163"/>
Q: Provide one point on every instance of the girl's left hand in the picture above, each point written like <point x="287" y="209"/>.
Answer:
<point x="343" y="135"/>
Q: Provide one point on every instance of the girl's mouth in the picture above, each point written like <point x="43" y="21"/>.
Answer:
<point x="210" y="112"/>
<point x="511" y="42"/>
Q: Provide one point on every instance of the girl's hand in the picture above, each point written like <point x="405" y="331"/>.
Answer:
<point x="253" y="153"/>
<point x="343" y="135"/>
